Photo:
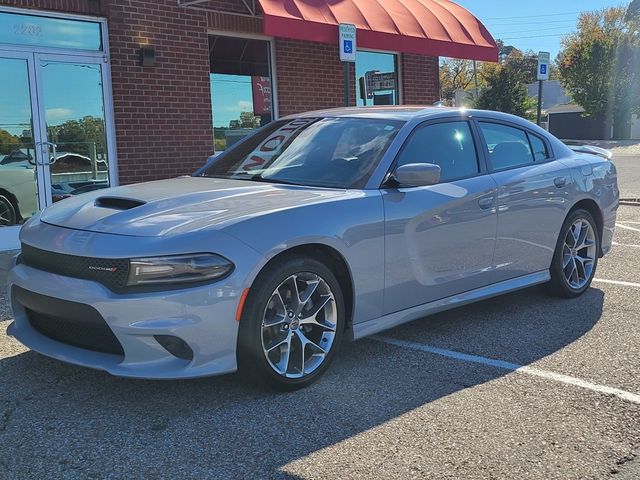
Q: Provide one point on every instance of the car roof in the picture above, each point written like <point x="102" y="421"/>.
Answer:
<point x="408" y="113"/>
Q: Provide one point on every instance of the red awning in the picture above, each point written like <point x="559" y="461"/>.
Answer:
<point x="425" y="27"/>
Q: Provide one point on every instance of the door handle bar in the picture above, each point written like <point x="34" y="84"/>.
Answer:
<point x="53" y="147"/>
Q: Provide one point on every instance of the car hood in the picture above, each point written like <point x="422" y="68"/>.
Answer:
<point x="179" y="205"/>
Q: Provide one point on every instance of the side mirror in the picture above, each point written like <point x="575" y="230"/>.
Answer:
<point x="417" y="174"/>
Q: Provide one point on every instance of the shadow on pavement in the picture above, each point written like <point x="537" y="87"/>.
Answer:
<point x="62" y="420"/>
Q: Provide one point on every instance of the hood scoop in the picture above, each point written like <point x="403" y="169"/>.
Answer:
<point x="118" y="203"/>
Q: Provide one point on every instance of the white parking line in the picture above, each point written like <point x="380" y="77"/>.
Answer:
<point x="617" y="282"/>
<point x="512" y="367"/>
<point x="616" y="244"/>
<point x="619" y="225"/>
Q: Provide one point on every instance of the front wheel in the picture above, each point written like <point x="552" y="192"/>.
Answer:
<point x="292" y="323"/>
<point x="576" y="255"/>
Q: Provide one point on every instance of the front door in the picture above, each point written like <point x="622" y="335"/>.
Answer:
<point x="73" y="125"/>
<point x="56" y="125"/>
<point x="439" y="240"/>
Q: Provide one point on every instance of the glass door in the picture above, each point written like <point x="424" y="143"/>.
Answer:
<point x="21" y="189"/>
<point x="73" y="121"/>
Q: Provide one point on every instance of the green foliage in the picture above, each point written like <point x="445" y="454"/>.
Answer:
<point x="78" y="136"/>
<point x="8" y="142"/>
<point x="600" y="65"/>
<point x="455" y="75"/>
<point x="506" y="82"/>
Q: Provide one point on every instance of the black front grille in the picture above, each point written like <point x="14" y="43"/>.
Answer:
<point x="112" y="273"/>
<point x="68" y="322"/>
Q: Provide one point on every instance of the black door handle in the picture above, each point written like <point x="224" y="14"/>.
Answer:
<point x="486" y="202"/>
<point x="560" y="181"/>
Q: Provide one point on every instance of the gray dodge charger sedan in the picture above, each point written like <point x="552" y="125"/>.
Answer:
<point x="320" y="226"/>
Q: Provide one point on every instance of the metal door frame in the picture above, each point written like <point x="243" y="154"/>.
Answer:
<point x="107" y="99"/>
<point x="35" y="123"/>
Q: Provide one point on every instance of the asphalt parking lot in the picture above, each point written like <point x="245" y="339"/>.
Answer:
<point x="443" y="397"/>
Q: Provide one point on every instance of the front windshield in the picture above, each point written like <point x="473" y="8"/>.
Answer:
<point x="321" y="152"/>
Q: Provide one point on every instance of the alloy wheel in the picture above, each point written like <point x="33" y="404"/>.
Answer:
<point x="579" y="254"/>
<point x="299" y="325"/>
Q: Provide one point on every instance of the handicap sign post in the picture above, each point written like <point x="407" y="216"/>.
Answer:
<point x="348" y="48"/>
<point x="544" y="61"/>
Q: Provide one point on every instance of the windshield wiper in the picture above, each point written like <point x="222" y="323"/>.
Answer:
<point x="259" y="178"/>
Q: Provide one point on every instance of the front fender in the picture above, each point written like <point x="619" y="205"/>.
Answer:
<point x="353" y="227"/>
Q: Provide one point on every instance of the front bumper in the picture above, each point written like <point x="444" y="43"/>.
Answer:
<point x="201" y="316"/>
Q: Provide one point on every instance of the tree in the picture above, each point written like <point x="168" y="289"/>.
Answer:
<point x="455" y="75"/>
<point x="8" y="142"/>
<point x="633" y="12"/>
<point x="598" y="65"/>
<point x="505" y="89"/>
<point x="77" y="136"/>
<point x="505" y="92"/>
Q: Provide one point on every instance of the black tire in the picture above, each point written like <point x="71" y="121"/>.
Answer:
<point x="252" y="360"/>
<point x="8" y="216"/>
<point x="559" y="285"/>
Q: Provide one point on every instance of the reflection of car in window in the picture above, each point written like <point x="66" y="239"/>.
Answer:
<point x="18" y="193"/>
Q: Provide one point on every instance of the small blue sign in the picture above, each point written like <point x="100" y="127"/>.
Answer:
<point x="543" y="69"/>
<point x="348" y="46"/>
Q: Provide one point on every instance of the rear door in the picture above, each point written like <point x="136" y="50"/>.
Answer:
<point x="533" y="190"/>
<point x="440" y="239"/>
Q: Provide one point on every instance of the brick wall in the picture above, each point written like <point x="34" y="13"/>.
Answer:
<point x="310" y="76"/>
<point x="162" y="113"/>
<point x="420" y="79"/>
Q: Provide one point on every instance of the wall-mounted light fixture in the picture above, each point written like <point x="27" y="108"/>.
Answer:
<point x="147" y="56"/>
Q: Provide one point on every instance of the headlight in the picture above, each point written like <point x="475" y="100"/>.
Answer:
<point x="177" y="269"/>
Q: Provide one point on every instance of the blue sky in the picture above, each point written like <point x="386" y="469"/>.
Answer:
<point x="533" y="25"/>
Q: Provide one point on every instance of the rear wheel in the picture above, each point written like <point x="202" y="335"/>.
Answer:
<point x="576" y="255"/>
<point x="292" y="323"/>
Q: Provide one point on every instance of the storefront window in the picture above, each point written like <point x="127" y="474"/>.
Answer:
<point x="241" y="87"/>
<point x="18" y="29"/>
<point x="377" y="79"/>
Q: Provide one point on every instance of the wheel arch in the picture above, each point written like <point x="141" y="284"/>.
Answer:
<point x="592" y="207"/>
<point x="334" y="260"/>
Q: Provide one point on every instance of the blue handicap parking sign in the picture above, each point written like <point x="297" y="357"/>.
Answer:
<point x="543" y="69"/>
<point x="348" y="46"/>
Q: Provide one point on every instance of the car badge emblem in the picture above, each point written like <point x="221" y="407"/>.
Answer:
<point x="103" y="269"/>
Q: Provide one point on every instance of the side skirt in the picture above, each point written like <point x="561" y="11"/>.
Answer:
<point x="372" y="327"/>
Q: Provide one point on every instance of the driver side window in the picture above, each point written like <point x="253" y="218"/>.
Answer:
<point x="449" y="145"/>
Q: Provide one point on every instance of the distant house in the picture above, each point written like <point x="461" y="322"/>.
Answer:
<point x="552" y="94"/>
<point x="569" y="122"/>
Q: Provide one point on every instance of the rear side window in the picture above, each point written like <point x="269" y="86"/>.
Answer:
<point x="449" y="145"/>
<point x="540" y="151"/>
<point x="508" y="147"/>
